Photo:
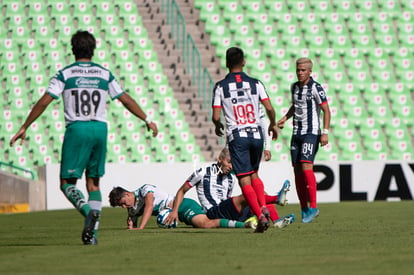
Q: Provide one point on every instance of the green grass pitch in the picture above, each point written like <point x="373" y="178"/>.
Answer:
<point x="347" y="238"/>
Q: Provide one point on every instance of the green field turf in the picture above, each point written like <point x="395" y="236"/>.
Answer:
<point x="347" y="238"/>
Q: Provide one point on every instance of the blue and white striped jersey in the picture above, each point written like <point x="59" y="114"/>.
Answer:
<point x="240" y="96"/>
<point x="307" y="101"/>
<point x="212" y="186"/>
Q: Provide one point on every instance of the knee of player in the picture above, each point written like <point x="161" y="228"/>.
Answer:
<point x="201" y="221"/>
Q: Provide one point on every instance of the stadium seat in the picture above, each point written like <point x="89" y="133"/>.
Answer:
<point x="344" y="6"/>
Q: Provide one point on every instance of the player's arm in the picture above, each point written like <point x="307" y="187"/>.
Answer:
<point x="179" y="196"/>
<point x="148" y="208"/>
<point x="271" y="114"/>
<point x="131" y="105"/>
<point x="265" y="125"/>
<point x="326" y="123"/>
<point x="288" y="115"/>
<point x="37" y="110"/>
<point x="216" y="120"/>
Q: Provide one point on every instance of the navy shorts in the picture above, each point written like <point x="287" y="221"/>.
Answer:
<point x="245" y="153"/>
<point x="225" y="210"/>
<point x="303" y="148"/>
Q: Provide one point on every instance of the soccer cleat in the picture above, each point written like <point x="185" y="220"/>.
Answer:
<point x="251" y="222"/>
<point x="281" y="196"/>
<point x="262" y="225"/>
<point x="312" y="214"/>
<point x="285" y="221"/>
<point x="265" y="212"/>
<point x="304" y="213"/>
<point x="88" y="230"/>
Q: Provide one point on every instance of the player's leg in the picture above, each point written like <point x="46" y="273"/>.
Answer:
<point x="91" y="225"/>
<point x="72" y="166"/>
<point x="301" y="189"/>
<point x="309" y="148"/>
<point x="74" y="195"/>
<point x="94" y="170"/>
<point x="191" y="213"/>
<point x="202" y="221"/>
<point x="240" y="159"/>
<point x="281" y="197"/>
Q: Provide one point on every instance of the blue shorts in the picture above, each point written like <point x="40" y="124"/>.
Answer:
<point x="225" y="210"/>
<point x="245" y="153"/>
<point x="303" y="148"/>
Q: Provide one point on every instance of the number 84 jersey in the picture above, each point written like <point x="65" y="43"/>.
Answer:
<point x="85" y="87"/>
<point x="240" y="97"/>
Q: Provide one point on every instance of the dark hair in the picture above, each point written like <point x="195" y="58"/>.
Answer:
<point x="116" y="195"/>
<point x="83" y="44"/>
<point x="234" y="57"/>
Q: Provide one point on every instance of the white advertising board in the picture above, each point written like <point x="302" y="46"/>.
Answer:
<point x="337" y="181"/>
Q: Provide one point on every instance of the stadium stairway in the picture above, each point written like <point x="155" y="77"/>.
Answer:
<point x="198" y="118"/>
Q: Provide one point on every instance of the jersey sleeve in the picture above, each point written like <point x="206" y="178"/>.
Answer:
<point x="216" y="102"/>
<point x="265" y="125"/>
<point x="145" y="189"/>
<point x="195" y="178"/>
<point x="320" y="94"/>
<point x="56" y="86"/>
<point x="262" y="91"/>
<point x="114" y="88"/>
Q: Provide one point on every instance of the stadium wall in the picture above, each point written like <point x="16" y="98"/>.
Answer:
<point x="18" y="194"/>
<point x="337" y="181"/>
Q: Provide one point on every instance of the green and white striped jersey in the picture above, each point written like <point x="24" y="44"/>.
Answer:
<point x="85" y="87"/>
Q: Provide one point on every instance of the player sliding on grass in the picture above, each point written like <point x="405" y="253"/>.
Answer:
<point x="148" y="201"/>
<point x="214" y="185"/>
<point x="84" y="87"/>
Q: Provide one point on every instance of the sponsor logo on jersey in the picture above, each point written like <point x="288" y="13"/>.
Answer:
<point x="87" y="82"/>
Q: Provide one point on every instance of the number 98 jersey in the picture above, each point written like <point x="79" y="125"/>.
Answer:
<point x="240" y="97"/>
<point x="85" y="87"/>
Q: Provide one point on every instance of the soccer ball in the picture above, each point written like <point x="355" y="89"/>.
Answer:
<point x="161" y="218"/>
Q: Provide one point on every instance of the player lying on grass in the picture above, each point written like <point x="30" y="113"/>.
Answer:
<point x="214" y="185"/>
<point x="148" y="201"/>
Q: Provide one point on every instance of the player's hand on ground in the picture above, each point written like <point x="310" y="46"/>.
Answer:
<point x="130" y="223"/>
<point x="152" y="126"/>
<point x="21" y="134"/>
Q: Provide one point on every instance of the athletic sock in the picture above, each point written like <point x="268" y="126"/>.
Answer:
<point x="301" y="190"/>
<point x="310" y="179"/>
<point x="274" y="216"/>
<point x="251" y="198"/>
<point x="224" y="223"/>
<point x="76" y="197"/>
<point x="258" y="187"/>
<point x="271" y="199"/>
<point x="95" y="203"/>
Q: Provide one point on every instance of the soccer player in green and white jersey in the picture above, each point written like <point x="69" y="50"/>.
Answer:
<point x="84" y="87"/>
<point x="148" y="201"/>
